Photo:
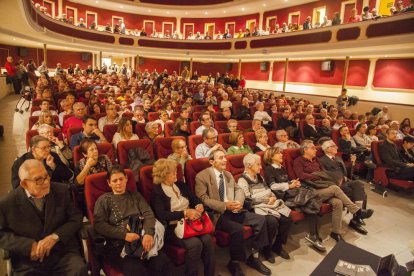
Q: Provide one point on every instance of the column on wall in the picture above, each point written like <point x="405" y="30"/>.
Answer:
<point x="271" y="71"/>
<point x="239" y="69"/>
<point x="45" y="54"/>
<point x="285" y="74"/>
<point x="261" y="20"/>
<point x="371" y="72"/>
<point x="346" y="66"/>
<point x="178" y="25"/>
<point x="191" y="67"/>
<point x="100" y="60"/>
<point x="60" y="8"/>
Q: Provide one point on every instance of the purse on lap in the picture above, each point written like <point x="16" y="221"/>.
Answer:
<point x="186" y="228"/>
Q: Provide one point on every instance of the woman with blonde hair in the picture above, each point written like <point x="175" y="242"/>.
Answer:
<point x="236" y="138"/>
<point x="262" y="139"/>
<point x="45" y="117"/>
<point x="173" y="201"/>
<point x="124" y="132"/>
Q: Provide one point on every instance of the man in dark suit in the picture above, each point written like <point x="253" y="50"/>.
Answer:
<point x="354" y="189"/>
<point x="388" y="152"/>
<point x="218" y="191"/>
<point x="310" y="131"/>
<point x="38" y="225"/>
<point x="40" y="150"/>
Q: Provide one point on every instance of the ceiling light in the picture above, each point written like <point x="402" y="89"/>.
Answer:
<point x="121" y="7"/>
<point x="186" y="13"/>
<point x="286" y="0"/>
<point x="224" y="11"/>
<point x="205" y="12"/>
<point x="96" y="1"/>
<point x="14" y="38"/>
<point x="243" y="9"/>
<point x="386" y="56"/>
<point x="149" y="10"/>
<point x="264" y="5"/>
<point x="168" y="12"/>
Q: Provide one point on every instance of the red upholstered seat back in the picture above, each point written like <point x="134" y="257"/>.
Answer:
<point x="103" y="148"/>
<point x="194" y="125"/>
<point x="235" y="165"/>
<point x="175" y="115"/>
<point x="192" y="168"/>
<point x="272" y="137"/>
<point x="375" y="152"/>
<point x="96" y="185"/>
<point x="289" y="155"/>
<point x="109" y="132"/>
<point x="72" y="131"/>
<point x="223" y="139"/>
<point x="140" y="130"/>
<point x="193" y="142"/>
<point x="250" y="139"/>
<point x="152" y="116"/>
<point x="168" y="128"/>
<point x="244" y="124"/>
<point x="125" y="146"/>
<point x="163" y="146"/>
<point x="196" y="115"/>
<point x="220" y="126"/>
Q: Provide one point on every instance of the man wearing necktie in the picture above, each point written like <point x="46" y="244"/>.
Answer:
<point x="38" y="225"/>
<point x="354" y="189"/>
<point x="218" y="191"/>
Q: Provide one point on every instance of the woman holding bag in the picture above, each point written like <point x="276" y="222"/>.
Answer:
<point x="172" y="202"/>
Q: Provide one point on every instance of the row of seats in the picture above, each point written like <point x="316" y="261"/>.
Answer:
<point x="96" y="185"/>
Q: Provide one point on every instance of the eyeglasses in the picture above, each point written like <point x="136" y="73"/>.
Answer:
<point x="44" y="148"/>
<point x="40" y="180"/>
<point x="214" y="137"/>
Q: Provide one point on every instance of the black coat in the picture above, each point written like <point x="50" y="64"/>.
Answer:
<point x="161" y="203"/>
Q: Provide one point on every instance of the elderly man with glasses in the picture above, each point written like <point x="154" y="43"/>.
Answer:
<point x="209" y="145"/>
<point x="40" y="149"/>
<point x="38" y="225"/>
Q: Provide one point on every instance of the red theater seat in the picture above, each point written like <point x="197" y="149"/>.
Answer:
<point x="163" y="146"/>
<point x="153" y="116"/>
<point x="168" y="127"/>
<point x="125" y="146"/>
<point x="235" y="165"/>
<point x="193" y="142"/>
<point x="223" y="139"/>
<point x="95" y="186"/>
<point x="199" y="108"/>
<point x="98" y="116"/>
<point x="174" y="116"/>
<point x="140" y="130"/>
<point x="30" y="133"/>
<point x="244" y="124"/>
<point x="220" y="126"/>
<point x="272" y="137"/>
<point x="380" y="174"/>
<point x="250" y="139"/>
<point x="197" y="115"/>
<point x="103" y="148"/>
<point x="194" y="125"/>
<point x="335" y="134"/>
<point x="72" y="131"/>
<point x="109" y="132"/>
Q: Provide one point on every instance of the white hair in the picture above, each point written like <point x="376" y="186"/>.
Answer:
<point x="26" y="166"/>
<point x="250" y="159"/>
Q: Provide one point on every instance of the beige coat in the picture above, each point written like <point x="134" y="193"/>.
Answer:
<point x="206" y="189"/>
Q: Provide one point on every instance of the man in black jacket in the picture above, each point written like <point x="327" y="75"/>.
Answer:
<point x="354" y="189"/>
<point x="287" y="123"/>
<point x="40" y="150"/>
<point x="388" y="152"/>
<point x="38" y="225"/>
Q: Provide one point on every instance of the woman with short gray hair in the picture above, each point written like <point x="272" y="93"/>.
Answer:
<point x="264" y="202"/>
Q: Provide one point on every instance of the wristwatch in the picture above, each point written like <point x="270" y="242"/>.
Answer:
<point x="55" y="237"/>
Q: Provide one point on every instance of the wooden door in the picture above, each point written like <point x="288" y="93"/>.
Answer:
<point x="295" y="19"/>
<point x="231" y="27"/>
<point x="168" y="28"/>
<point x="252" y="24"/>
<point x="210" y="30"/>
<point x="70" y="13"/>
<point x="90" y="17"/>
<point x="149" y="27"/>
<point x="348" y="12"/>
<point x="272" y="24"/>
<point x="188" y="28"/>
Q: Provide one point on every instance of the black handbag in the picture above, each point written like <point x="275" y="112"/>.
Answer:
<point x="135" y="248"/>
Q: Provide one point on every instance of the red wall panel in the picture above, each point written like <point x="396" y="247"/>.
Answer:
<point x="214" y="67"/>
<point x="219" y="22"/>
<point x="278" y="71"/>
<point x="251" y="71"/>
<point x="160" y="65"/>
<point x="310" y="72"/>
<point x="132" y="21"/>
<point x="394" y="73"/>
<point x="358" y="73"/>
<point x="53" y="57"/>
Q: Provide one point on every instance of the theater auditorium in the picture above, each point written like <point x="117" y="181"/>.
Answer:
<point x="206" y="137"/>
